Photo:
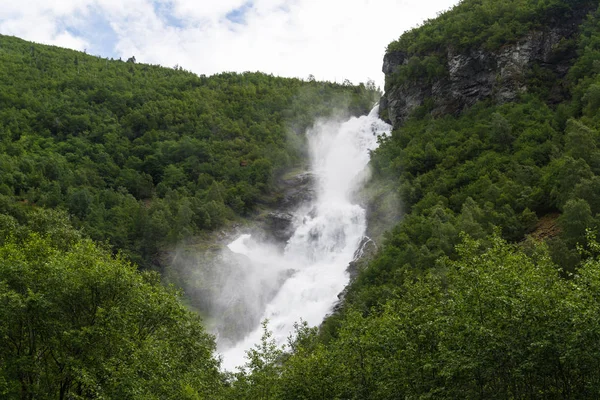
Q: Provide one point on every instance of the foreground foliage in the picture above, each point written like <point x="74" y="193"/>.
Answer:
<point x="501" y="324"/>
<point x="78" y="323"/>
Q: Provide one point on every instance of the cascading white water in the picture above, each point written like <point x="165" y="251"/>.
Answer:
<point x="325" y="240"/>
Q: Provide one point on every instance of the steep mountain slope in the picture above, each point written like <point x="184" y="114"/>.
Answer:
<point x="501" y="136"/>
<point x="497" y="145"/>
<point x="482" y="50"/>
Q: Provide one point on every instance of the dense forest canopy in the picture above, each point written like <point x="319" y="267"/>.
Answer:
<point x="143" y="156"/>
<point x="489" y="24"/>
<point x="487" y="287"/>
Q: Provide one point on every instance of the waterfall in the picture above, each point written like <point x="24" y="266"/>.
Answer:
<point x="326" y="238"/>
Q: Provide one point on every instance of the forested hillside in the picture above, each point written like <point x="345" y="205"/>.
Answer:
<point x="143" y="156"/>
<point x="528" y="166"/>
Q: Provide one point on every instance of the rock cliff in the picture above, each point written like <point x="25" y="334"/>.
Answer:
<point x="477" y="74"/>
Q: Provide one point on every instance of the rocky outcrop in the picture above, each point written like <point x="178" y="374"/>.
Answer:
<point x="364" y="254"/>
<point x="296" y="190"/>
<point x="278" y="226"/>
<point x="367" y="249"/>
<point x="478" y="74"/>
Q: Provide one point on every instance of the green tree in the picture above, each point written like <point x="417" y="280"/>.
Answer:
<point x="78" y="323"/>
<point x="258" y="377"/>
<point x="575" y="220"/>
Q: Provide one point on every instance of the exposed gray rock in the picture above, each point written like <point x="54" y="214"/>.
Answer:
<point x="296" y="190"/>
<point x="364" y="254"/>
<point x="477" y="74"/>
<point x="392" y="60"/>
<point x="280" y="225"/>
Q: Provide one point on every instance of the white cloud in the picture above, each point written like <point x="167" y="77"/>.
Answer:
<point x="43" y="22"/>
<point x="193" y="10"/>
<point x="331" y="39"/>
<point x="65" y="39"/>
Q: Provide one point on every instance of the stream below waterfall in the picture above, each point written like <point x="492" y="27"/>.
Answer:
<point x="326" y="236"/>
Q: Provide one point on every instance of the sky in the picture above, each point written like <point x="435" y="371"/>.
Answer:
<point x="332" y="40"/>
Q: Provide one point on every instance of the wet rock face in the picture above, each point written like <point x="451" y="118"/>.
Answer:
<point x="478" y="74"/>
<point x="367" y="249"/>
<point x="280" y="225"/>
<point x="297" y="190"/>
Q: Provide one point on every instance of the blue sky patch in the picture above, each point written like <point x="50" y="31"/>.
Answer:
<point x="164" y="11"/>
<point x="98" y="33"/>
<point x="238" y="16"/>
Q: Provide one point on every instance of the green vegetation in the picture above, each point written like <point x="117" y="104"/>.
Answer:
<point x="78" y="323"/>
<point x="140" y="158"/>
<point x="143" y="156"/>
<point x="500" y="324"/>
<point x="493" y="166"/>
<point x="461" y="301"/>
<point x="477" y="24"/>
<point x="487" y="23"/>
<point x="426" y="68"/>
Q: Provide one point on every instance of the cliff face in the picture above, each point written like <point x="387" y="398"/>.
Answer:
<point x="478" y="74"/>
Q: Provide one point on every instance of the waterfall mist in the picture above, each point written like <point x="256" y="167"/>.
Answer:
<point x="304" y="280"/>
